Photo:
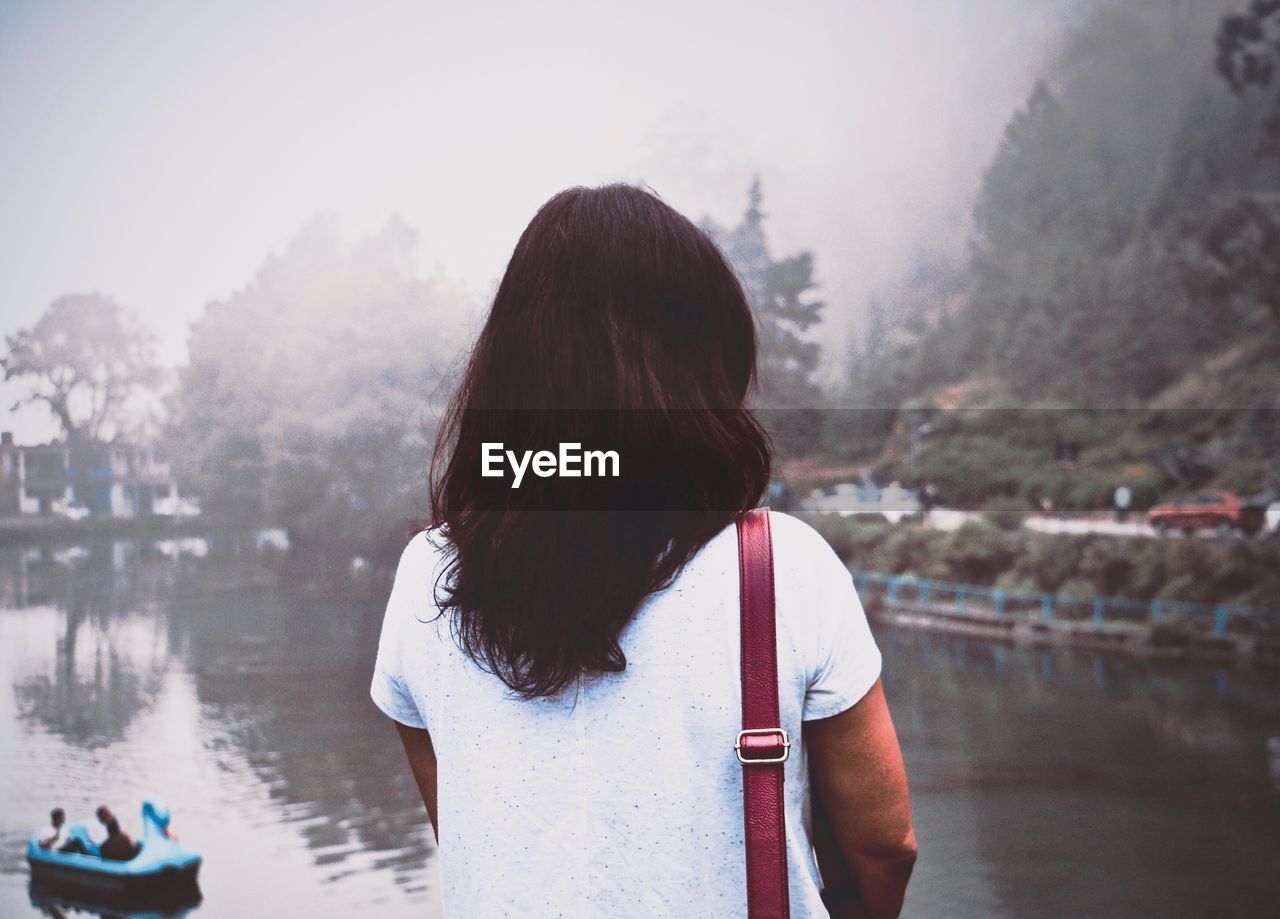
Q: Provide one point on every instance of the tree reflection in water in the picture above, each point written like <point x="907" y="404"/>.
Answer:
<point x="284" y="678"/>
<point x="276" y="680"/>
<point x="112" y="652"/>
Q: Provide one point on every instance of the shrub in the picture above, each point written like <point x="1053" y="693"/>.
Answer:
<point x="855" y="539"/>
<point x="1006" y="513"/>
<point x="1149" y="571"/>
<point x="910" y="550"/>
<point x="1078" y="587"/>
<point x="1241" y="572"/>
<point x="1016" y="582"/>
<point x="1047" y="561"/>
<point x="1108" y="564"/>
<point x="978" y="553"/>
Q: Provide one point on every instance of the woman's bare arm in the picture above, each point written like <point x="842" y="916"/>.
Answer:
<point x="422" y="762"/>
<point x="857" y="765"/>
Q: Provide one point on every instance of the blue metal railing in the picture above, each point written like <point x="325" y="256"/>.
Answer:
<point x="1047" y="607"/>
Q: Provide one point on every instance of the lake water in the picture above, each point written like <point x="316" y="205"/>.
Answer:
<point x="1048" y="783"/>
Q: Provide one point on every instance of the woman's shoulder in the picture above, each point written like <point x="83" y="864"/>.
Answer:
<point x="421" y="563"/>
<point x="790" y="527"/>
<point x="797" y="542"/>
<point x="424" y="548"/>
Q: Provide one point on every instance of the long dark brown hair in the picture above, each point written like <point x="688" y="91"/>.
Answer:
<point x="620" y="326"/>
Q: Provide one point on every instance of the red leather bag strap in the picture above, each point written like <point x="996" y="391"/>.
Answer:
<point x="763" y="746"/>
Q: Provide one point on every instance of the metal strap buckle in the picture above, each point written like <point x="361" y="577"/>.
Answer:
<point x="763" y="760"/>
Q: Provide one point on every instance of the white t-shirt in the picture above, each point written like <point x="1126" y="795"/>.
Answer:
<point x="59" y="835"/>
<point x="623" y="797"/>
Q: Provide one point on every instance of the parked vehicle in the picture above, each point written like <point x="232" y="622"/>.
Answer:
<point x="176" y="507"/>
<point x="69" y="511"/>
<point x="1220" y="510"/>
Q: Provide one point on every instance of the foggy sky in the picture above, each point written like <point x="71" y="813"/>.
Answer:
<point x="157" y="152"/>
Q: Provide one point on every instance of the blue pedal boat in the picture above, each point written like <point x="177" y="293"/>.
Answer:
<point x="162" y="867"/>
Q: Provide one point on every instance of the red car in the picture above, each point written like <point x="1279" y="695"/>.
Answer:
<point x="1219" y="509"/>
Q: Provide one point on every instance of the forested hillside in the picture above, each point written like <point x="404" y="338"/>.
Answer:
<point x="1125" y="255"/>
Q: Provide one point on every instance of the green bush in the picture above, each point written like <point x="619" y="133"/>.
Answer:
<point x="970" y="470"/>
<point x="1185" y="587"/>
<point x="1006" y="513"/>
<point x="1238" y="572"/>
<point x="1248" y="575"/>
<point x="1108" y="564"/>
<point x="1047" y="561"/>
<point x="1015" y="582"/>
<point x="856" y="540"/>
<point x="909" y="550"/>
<point x="978" y="553"/>
<point x="1078" y="586"/>
<point x="1149" y="571"/>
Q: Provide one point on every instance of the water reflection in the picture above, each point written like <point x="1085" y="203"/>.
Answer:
<point x="1057" y="782"/>
<point x="110" y="657"/>
<point x="285" y="679"/>
<point x="56" y="904"/>
<point x="1047" y="782"/>
<point x="181" y="669"/>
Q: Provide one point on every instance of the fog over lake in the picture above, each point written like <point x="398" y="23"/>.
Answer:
<point x="159" y="153"/>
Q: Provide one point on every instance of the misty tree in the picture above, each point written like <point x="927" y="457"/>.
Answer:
<point x="1249" y="55"/>
<point x="86" y="359"/>
<point x="1236" y="257"/>
<point x="877" y="331"/>
<point x="1031" y="293"/>
<point x="1240" y="238"/>
<point x="780" y="294"/>
<point x="307" y="399"/>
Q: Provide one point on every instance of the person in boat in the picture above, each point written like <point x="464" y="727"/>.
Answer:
<point x="98" y="834"/>
<point x="55" y="835"/>
<point x="105" y="814"/>
<point x="117" y="846"/>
